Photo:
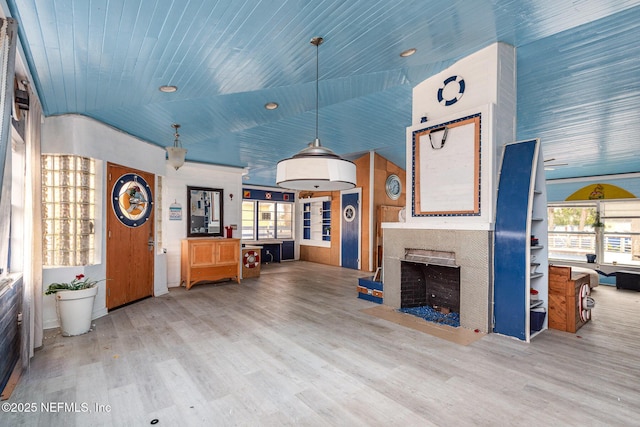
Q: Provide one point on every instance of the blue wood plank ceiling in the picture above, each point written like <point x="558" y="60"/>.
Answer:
<point x="578" y="68"/>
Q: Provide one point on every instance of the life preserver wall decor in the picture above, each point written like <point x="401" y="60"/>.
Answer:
<point x="132" y="200"/>
<point x="251" y="259"/>
<point x="456" y="94"/>
<point x="585" y="302"/>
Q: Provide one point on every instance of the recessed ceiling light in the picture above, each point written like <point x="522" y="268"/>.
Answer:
<point x="408" y="52"/>
<point x="271" y="105"/>
<point x="168" y="89"/>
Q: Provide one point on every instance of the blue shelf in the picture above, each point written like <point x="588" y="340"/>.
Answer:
<point x="326" y="221"/>
<point x="306" y="221"/>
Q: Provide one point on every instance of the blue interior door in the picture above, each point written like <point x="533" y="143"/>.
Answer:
<point x="350" y="229"/>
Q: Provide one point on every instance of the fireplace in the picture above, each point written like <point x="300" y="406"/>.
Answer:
<point x="464" y="254"/>
<point x="430" y="278"/>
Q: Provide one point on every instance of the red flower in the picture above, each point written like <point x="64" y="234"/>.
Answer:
<point x="80" y="282"/>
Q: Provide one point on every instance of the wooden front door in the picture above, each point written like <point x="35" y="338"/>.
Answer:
<point x="130" y="236"/>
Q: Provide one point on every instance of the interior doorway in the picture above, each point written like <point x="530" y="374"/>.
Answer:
<point x="350" y="229"/>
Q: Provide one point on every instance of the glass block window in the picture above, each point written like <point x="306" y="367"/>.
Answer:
<point x="68" y="210"/>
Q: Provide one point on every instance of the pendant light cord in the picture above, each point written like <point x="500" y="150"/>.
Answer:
<point x="317" y="86"/>
<point x="317" y="41"/>
<point x="176" y="135"/>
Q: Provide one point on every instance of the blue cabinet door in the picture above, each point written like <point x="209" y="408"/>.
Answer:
<point x="288" y="250"/>
<point x="350" y="225"/>
<point x="270" y="253"/>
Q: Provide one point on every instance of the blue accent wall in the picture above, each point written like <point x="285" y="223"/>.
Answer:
<point x="273" y="196"/>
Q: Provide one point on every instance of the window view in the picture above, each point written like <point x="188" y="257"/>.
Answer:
<point x="571" y="232"/>
<point x="621" y="233"/>
<point x="68" y="210"/>
<point x="267" y="220"/>
<point x="284" y="224"/>
<point x="248" y="220"/>
<point x="611" y="230"/>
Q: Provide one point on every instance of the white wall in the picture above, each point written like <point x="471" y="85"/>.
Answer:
<point x="83" y="136"/>
<point x="480" y="73"/>
<point x="175" y="190"/>
<point x="490" y="89"/>
<point x="80" y="135"/>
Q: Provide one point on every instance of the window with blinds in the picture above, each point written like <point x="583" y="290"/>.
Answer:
<point x="610" y="229"/>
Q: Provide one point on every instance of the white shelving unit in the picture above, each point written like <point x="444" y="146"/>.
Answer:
<point x="316" y="221"/>
<point x="538" y="254"/>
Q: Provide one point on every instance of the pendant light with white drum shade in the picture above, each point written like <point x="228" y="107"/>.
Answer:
<point x="316" y="168"/>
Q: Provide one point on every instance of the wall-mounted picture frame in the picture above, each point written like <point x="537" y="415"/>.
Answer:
<point x="446" y="168"/>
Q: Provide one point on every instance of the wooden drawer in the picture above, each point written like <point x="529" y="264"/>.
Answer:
<point x="213" y="273"/>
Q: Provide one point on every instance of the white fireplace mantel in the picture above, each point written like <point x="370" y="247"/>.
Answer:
<point x="441" y="225"/>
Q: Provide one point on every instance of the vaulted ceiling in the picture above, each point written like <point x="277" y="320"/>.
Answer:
<point x="578" y="72"/>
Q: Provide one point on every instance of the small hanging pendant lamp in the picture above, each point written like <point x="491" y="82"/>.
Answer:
<point x="177" y="154"/>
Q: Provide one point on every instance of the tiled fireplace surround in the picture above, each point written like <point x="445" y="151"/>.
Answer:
<point x="472" y="250"/>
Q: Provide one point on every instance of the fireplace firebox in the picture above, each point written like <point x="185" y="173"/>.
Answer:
<point x="430" y="278"/>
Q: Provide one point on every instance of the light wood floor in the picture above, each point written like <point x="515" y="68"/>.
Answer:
<point x="293" y="348"/>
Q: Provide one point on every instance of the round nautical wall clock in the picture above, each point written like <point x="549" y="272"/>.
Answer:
<point x="451" y="90"/>
<point x="132" y="200"/>
<point x="393" y="187"/>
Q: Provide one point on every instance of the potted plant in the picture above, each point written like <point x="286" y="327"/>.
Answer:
<point x="74" y="304"/>
<point x="597" y="222"/>
<point x="598" y="226"/>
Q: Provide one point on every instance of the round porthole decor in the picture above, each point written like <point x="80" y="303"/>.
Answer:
<point x="451" y="91"/>
<point x="132" y="200"/>
<point x="349" y="213"/>
<point x="393" y="187"/>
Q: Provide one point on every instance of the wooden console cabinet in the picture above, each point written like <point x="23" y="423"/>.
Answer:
<point x="209" y="259"/>
<point x="566" y="290"/>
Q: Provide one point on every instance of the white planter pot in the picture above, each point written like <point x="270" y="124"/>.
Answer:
<point x="74" y="310"/>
